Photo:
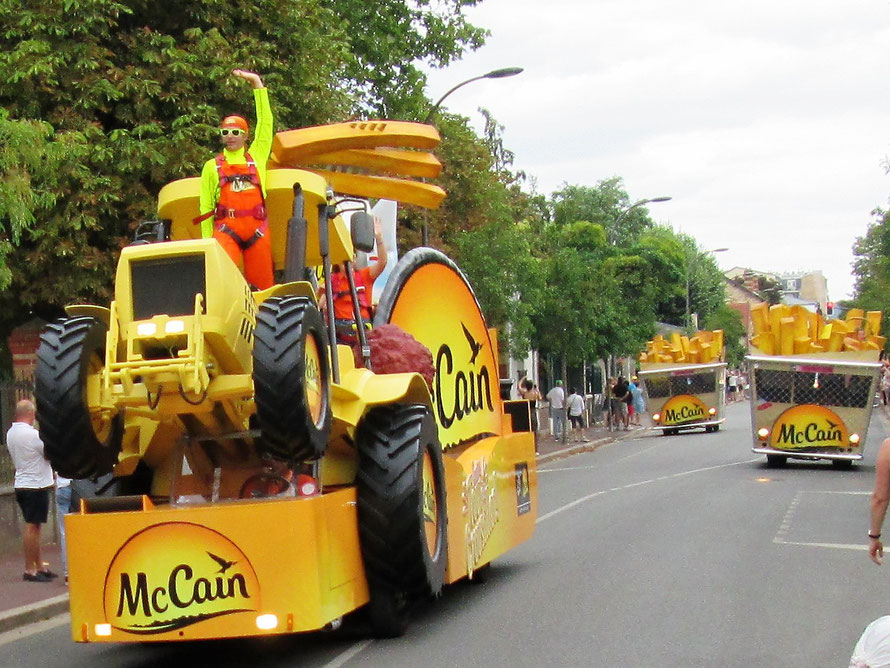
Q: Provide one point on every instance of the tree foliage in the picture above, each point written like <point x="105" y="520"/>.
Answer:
<point x="707" y="291"/>
<point x="389" y="39"/>
<point x="138" y="88"/>
<point x="871" y="267"/>
<point x="730" y="321"/>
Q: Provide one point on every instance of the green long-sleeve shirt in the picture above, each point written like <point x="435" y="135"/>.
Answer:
<point x="259" y="150"/>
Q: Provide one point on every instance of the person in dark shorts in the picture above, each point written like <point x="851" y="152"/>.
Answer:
<point x="33" y="481"/>
<point x="621" y="394"/>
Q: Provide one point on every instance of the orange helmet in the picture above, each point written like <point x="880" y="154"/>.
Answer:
<point x="234" y="122"/>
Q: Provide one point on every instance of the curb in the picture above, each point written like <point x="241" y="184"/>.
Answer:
<point x="587" y="446"/>
<point x="33" y="612"/>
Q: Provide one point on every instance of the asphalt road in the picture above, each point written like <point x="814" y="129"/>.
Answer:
<point x="653" y="551"/>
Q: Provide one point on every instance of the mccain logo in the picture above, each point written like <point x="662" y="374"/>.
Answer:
<point x="173" y="575"/>
<point x="807" y="426"/>
<point x="682" y="409"/>
<point x="467" y="390"/>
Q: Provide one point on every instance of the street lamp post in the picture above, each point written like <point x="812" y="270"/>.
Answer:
<point x="633" y="206"/>
<point x="689" y="264"/>
<point x="494" y="74"/>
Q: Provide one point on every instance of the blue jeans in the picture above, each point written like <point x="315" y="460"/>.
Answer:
<point x="67" y="501"/>
<point x="559" y="422"/>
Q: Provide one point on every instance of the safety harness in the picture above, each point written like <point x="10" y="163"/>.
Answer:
<point x="235" y="182"/>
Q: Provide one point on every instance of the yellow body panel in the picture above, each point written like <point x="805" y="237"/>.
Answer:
<point x="299" y="558"/>
<point x="391" y="161"/>
<point x="295" y="147"/>
<point x="426" y="195"/>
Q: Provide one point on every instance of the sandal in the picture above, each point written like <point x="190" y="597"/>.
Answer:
<point x="48" y="573"/>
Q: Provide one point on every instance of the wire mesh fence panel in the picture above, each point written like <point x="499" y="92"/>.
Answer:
<point x="812" y="387"/>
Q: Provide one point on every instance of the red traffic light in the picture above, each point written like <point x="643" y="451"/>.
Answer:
<point x="829" y="307"/>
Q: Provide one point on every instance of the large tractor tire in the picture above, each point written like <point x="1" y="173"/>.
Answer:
<point x="291" y="379"/>
<point x="401" y="512"/>
<point x="78" y="442"/>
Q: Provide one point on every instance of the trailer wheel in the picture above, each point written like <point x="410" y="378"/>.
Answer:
<point x="291" y="379"/>
<point x="776" y="461"/>
<point x="79" y="440"/>
<point x="401" y="512"/>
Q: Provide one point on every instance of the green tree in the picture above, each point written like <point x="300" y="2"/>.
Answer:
<point x="606" y="204"/>
<point x="871" y="267"/>
<point x="141" y="86"/>
<point x="730" y="321"/>
<point x="34" y="163"/>
<point x="769" y="289"/>
<point x="707" y="291"/>
<point x="388" y="42"/>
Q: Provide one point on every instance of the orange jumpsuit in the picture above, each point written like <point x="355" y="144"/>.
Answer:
<point x="240" y="224"/>
<point x="231" y="198"/>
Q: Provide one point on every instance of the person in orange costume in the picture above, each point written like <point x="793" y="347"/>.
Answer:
<point x="364" y="285"/>
<point x="233" y="190"/>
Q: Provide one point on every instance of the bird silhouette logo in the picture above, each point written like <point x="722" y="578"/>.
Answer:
<point x="475" y="346"/>
<point x="224" y="564"/>
<point x="831" y="424"/>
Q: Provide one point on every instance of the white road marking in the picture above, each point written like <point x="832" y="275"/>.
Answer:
<point x="787" y="520"/>
<point x="836" y="546"/>
<point x="588" y="497"/>
<point x="32" y="629"/>
<point x="346" y="655"/>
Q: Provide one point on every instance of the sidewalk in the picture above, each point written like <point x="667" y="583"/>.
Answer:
<point x="23" y="602"/>
<point x="26" y="602"/>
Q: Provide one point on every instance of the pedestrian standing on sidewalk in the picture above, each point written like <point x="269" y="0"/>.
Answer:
<point x="557" y="398"/>
<point x="639" y="405"/>
<point x="575" y="407"/>
<point x="621" y="394"/>
<point x="67" y="501"/>
<point x="33" y="482"/>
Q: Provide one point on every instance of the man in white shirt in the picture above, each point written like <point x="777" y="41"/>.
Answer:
<point x="33" y="481"/>
<point x="575" y="407"/>
<point x="557" y="398"/>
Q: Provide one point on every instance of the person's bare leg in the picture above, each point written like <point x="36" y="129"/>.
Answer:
<point x="31" y="538"/>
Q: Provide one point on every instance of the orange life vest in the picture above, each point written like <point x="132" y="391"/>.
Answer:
<point x="343" y="298"/>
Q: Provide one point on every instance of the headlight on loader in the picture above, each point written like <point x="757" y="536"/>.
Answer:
<point x="146" y="329"/>
<point x="854" y="439"/>
<point x="763" y="433"/>
<point x="267" y="622"/>
<point x="712" y="411"/>
<point x="656" y="417"/>
<point x="174" y="327"/>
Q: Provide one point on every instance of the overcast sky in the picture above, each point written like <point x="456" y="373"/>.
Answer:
<point x="765" y="120"/>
